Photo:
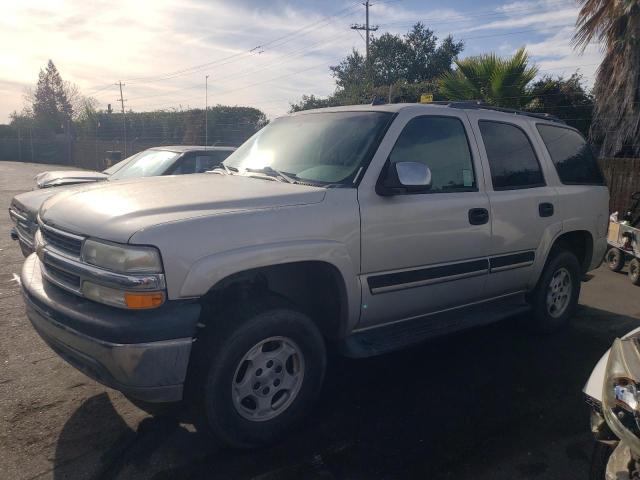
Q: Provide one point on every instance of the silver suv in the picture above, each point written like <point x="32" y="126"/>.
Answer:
<point x="367" y="227"/>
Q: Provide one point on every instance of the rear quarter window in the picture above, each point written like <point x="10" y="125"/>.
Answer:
<point x="571" y="155"/>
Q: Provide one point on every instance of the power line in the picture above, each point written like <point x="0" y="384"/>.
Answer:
<point x="275" y="42"/>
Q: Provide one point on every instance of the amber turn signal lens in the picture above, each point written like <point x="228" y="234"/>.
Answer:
<point x="144" y="300"/>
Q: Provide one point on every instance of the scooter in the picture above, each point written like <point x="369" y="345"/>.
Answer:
<point x="613" y="392"/>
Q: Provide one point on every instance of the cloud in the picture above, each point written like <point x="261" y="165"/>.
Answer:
<point x="264" y="54"/>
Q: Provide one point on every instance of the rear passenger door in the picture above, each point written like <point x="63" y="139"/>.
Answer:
<point x="523" y="205"/>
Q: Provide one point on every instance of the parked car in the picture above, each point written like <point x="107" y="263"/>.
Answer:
<point x="368" y="227"/>
<point x="612" y="392"/>
<point x="173" y="160"/>
<point x="58" y="178"/>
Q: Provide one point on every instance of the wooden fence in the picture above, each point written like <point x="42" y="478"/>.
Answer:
<point x="623" y="178"/>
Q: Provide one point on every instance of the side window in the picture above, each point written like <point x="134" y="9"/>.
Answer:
<point x="512" y="160"/>
<point x="205" y="163"/>
<point x="185" y="166"/>
<point x="571" y="155"/>
<point x="441" y="144"/>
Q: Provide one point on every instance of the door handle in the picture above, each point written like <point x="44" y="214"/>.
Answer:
<point x="545" y="209"/>
<point x="478" y="216"/>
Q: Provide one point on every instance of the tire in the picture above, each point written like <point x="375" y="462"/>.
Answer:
<point x="615" y="259"/>
<point x="634" y="271"/>
<point x="599" y="459"/>
<point x="287" y="350"/>
<point x="555" y="297"/>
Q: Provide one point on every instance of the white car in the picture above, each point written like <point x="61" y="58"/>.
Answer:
<point x="171" y="160"/>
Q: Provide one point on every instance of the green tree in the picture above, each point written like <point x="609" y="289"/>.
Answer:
<point x="401" y="69"/>
<point x="51" y="106"/>
<point x="309" y="102"/>
<point x="565" y="98"/>
<point x="616" y="25"/>
<point x="414" y="57"/>
<point x="498" y="81"/>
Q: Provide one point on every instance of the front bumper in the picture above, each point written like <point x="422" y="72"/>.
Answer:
<point x="136" y="361"/>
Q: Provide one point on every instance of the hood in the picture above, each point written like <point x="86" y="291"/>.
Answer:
<point x="30" y="202"/>
<point x="116" y="210"/>
<point x="67" y="177"/>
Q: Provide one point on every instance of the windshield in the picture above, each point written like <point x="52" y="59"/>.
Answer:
<point x="146" y="164"/>
<point x="114" y="168"/>
<point x="318" y="147"/>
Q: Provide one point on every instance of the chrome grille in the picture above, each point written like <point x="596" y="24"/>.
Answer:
<point x="25" y="227"/>
<point x="63" y="242"/>
<point x="61" y="277"/>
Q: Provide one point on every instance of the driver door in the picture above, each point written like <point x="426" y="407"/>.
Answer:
<point x="425" y="252"/>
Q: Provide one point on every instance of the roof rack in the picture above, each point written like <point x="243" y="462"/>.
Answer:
<point x="478" y="104"/>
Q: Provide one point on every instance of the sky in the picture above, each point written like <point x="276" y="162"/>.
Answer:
<point x="265" y="54"/>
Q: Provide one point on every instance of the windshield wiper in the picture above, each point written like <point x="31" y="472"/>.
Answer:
<point x="230" y="170"/>
<point x="272" y="172"/>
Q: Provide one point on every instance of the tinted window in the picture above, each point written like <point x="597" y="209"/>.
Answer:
<point x="441" y="144"/>
<point x="571" y="155"/>
<point x="512" y="161"/>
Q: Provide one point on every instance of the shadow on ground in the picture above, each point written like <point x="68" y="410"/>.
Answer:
<point x="495" y="402"/>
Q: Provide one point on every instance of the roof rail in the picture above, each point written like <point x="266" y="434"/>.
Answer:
<point x="478" y="104"/>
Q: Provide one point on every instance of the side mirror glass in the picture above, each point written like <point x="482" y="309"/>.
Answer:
<point x="405" y="177"/>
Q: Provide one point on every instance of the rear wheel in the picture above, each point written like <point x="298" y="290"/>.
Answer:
<point x="615" y="259"/>
<point x="258" y="377"/>
<point x="555" y="298"/>
<point x="634" y="271"/>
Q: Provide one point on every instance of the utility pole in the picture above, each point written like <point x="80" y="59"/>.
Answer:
<point x="206" y="111"/>
<point x="366" y="27"/>
<point x="124" y="120"/>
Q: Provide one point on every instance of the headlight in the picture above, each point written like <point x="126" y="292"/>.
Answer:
<point x="122" y="258"/>
<point x="122" y="299"/>
<point x="620" y="392"/>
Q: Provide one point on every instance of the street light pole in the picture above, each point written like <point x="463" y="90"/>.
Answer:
<point x="206" y="111"/>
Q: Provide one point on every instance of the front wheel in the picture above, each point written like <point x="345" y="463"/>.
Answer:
<point x="261" y="376"/>
<point x="555" y="298"/>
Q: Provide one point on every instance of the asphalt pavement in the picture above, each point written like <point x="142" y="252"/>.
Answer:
<point x="492" y="403"/>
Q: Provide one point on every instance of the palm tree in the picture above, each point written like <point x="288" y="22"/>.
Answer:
<point x="498" y="81"/>
<point x="615" y="24"/>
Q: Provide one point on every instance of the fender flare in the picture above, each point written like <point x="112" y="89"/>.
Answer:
<point x="209" y="270"/>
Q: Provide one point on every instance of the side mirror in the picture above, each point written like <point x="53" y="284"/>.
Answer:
<point x="404" y="177"/>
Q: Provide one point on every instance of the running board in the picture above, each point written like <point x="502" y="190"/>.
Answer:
<point x="395" y="336"/>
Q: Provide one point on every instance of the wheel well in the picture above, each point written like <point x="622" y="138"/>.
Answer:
<point x="314" y="287"/>
<point x="580" y="243"/>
